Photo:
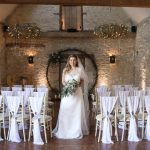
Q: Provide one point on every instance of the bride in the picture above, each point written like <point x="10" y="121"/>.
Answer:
<point x="73" y="118"/>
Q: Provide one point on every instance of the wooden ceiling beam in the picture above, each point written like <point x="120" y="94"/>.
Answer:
<point x="117" y="3"/>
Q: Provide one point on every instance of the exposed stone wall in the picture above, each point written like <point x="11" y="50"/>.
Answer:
<point x="97" y="15"/>
<point x="2" y="57"/>
<point x="122" y="72"/>
<point x="119" y="73"/>
<point x="45" y="16"/>
<point x="142" y="59"/>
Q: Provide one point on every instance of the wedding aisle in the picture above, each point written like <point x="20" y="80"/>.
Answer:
<point x="87" y="143"/>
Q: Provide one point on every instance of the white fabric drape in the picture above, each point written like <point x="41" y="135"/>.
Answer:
<point x="45" y="90"/>
<point x="6" y="93"/>
<point x="133" y="90"/>
<point x="147" y="128"/>
<point x="16" y="88"/>
<point x="1" y="113"/>
<point x="122" y="97"/>
<point x="5" y="88"/>
<point x="85" y="109"/>
<point x="36" y="106"/>
<point x="13" y="106"/>
<point x="133" y="102"/>
<point x="128" y="87"/>
<point x="29" y="89"/>
<point x="116" y="89"/>
<point x="103" y="91"/>
<point x="25" y="95"/>
<point x="108" y="104"/>
<point x="140" y="94"/>
<point x="28" y="86"/>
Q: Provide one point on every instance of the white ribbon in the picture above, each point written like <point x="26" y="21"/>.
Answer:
<point x="14" y="134"/>
<point x="36" y="130"/>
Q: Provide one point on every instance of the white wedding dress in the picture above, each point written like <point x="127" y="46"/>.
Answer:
<point x="71" y="119"/>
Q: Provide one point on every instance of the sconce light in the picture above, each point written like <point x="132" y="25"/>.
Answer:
<point x="30" y="59"/>
<point x="112" y="59"/>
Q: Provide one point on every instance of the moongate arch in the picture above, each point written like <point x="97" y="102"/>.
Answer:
<point x="60" y="52"/>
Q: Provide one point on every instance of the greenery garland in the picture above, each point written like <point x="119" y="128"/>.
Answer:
<point x="55" y="58"/>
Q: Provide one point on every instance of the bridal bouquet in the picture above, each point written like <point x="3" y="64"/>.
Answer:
<point x="69" y="88"/>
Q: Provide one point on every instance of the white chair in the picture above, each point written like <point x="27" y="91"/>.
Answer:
<point x="133" y="102"/>
<point x="23" y="113"/>
<point x="29" y="89"/>
<point x="13" y="106"/>
<point x="16" y="89"/>
<point x="3" y="116"/>
<point x="127" y="87"/>
<point x="94" y="109"/>
<point x="17" y="86"/>
<point x="38" y="109"/>
<point x="44" y="90"/>
<point x="101" y="91"/>
<point x="5" y="89"/>
<point x="116" y="89"/>
<point x="105" y="120"/>
<point x="28" y="86"/>
<point x="25" y="95"/>
<point x="5" y="94"/>
<point x="133" y="91"/>
<point x="122" y="115"/>
<point x="147" y="118"/>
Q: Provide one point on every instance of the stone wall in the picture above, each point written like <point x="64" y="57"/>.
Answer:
<point x="96" y="15"/>
<point x="142" y="61"/>
<point x="122" y="72"/>
<point x="119" y="73"/>
<point x="45" y="16"/>
<point x="2" y="57"/>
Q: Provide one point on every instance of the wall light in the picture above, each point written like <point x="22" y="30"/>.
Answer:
<point x="112" y="59"/>
<point x="30" y="59"/>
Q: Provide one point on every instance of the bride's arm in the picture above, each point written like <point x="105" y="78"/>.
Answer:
<point x="81" y="82"/>
<point x="63" y="77"/>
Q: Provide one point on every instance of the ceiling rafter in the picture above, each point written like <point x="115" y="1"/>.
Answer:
<point x="119" y="3"/>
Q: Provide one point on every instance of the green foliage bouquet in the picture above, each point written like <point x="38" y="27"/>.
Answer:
<point x="69" y="88"/>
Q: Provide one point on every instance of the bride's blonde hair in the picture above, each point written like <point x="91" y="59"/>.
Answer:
<point x="68" y="66"/>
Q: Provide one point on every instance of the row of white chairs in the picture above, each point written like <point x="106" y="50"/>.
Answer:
<point x="17" y="113"/>
<point x="125" y="111"/>
<point x="15" y="88"/>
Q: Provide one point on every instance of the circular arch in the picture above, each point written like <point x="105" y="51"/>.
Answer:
<point x="60" y="52"/>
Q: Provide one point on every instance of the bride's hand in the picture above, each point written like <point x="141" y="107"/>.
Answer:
<point x="81" y="82"/>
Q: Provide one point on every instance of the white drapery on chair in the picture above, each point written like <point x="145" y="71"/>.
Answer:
<point x="123" y="97"/>
<point x="116" y="89"/>
<point x="133" y="102"/>
<point x="147" y="128"/>
<point x="36" y="106"/>
<point x="0" y="116"/>
<point x="140" y="94"/>
<point x="5" y="88"/>
<point x="128" y="87"/>
<point x="43" y="89"/>
<point x="123" y="116"/>
<point x="25" y="95"/>
<point x="16" y="88"/>
<point x="102" y="90"/>
<point x="13" y="106"/>
<point x="29" y="89"/>
<point x="108" y="104"/>
<point x="28" y="86"/>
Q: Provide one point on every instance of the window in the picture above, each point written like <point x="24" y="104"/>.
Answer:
<point x="71" y="18"/>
